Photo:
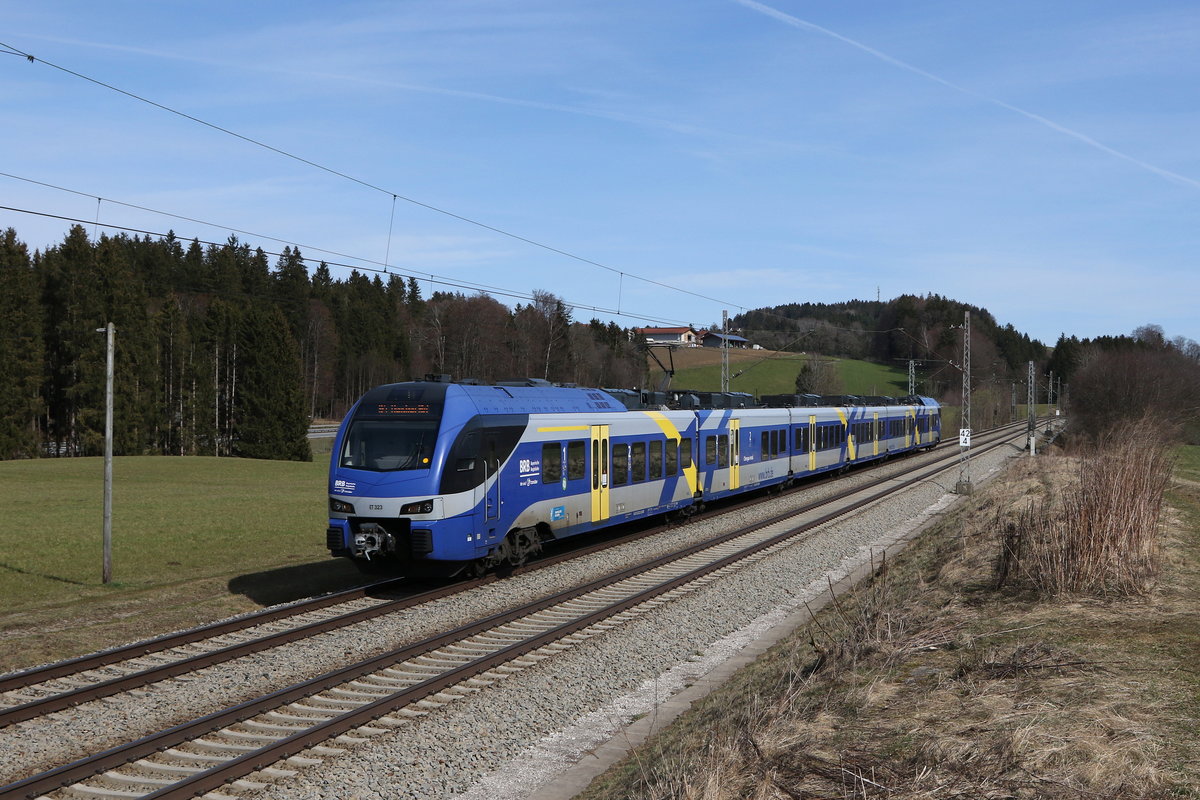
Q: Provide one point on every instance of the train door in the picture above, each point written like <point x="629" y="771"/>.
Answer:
<point x="878" y="432"/>
<point x="735" y="454"/>
<point x="600" y="485"/>
<point x="813" y="443"/>
<point x="491" y="477"/>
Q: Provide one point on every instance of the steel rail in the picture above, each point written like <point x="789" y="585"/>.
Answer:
<point x="29" y="677"/>
<point x="138" y="678"/>
<point x="218" y="776"/>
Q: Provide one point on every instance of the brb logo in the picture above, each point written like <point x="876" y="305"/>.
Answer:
<point x="343" y="486"/>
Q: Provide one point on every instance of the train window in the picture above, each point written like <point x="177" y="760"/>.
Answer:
<point x="710" y="450"/>
<point x="576" y="455"/>
<point x="595" y="464"/>
<point x="672" y="457"/>
<point x="829" y="436"/>
<point x="620" y="468"/>
<point x="685" y="453"/>
<point x="766" y="448"/>
<point x="551" y="462"/>
<point x="774" y="443"/>
<point x="723" y="450"/>
<point x="389" y="445"/>
<point x="604" y="463"/>
<point x="656" y="460"/>
<point x="638" y="459"/>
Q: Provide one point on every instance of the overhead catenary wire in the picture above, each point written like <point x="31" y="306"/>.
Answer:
<point x="397" y="196"/>
<point x="360" y="260"/>
<point x="381" y="270"/>
<point x="10" y="50"/>
<point x="433" y="278"/>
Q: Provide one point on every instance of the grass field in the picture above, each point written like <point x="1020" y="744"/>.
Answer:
<point x="768" y="372"/>
<point x="193" y="539"/>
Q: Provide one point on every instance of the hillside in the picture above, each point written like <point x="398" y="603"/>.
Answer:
<point x="772" y="372"/>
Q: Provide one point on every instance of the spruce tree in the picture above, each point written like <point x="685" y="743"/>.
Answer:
<point x="73" y="306"/>
<point x="270" y="419"/>
<point x="20" y="351"/>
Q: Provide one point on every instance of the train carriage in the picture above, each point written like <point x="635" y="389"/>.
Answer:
<point x="434" y="476"/>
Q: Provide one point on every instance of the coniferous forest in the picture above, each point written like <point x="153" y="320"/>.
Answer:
<point x="222" y="350"/>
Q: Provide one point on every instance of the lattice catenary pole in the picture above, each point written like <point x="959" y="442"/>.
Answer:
<point x="964" y="432"/>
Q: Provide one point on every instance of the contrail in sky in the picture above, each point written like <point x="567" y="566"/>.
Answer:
<point x="796" y="22"/>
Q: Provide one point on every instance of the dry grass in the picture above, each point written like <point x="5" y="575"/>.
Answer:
<point x="931" y="683"/>
<point x="1099" y="534"/>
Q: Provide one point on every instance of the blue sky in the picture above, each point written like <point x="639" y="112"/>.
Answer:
<point x="1037" y="159"/>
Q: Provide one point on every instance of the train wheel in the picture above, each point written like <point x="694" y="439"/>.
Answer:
<point x="522" y="543"/>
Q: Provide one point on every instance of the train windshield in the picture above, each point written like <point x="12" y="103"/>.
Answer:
<point x="387" y="445"/>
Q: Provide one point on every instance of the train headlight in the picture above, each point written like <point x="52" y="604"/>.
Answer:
<point x="340" y="506"/>
<point x="423" y="507"/>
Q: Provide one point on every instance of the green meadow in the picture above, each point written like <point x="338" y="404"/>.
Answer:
<point x="192" y="539"/>
<point x="766" y="372"/>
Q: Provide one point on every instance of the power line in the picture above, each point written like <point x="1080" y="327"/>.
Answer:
<point x="385" y="265"/>
<point x="395" y="195"/>
<point x="432" y="277"/>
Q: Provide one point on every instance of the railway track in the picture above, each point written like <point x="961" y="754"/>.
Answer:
<point x="290" y="728"/>
<point x="31" y="693"/>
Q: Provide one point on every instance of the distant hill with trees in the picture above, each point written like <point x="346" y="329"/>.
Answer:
<point x="926" y="329"/>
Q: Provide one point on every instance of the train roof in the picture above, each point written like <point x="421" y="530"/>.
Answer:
<point x="508" y="398"/>
<point x="535" y="396"/>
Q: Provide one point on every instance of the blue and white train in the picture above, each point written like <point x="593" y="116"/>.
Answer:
<point x="437" y="477"/>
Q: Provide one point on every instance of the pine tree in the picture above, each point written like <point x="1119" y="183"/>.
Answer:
<point x="74" y="308"/>
<point x="270" y="420"/>
<point x="20" y="351"/>
<point x="124" y="302"/>
<point x="175" y="387"/>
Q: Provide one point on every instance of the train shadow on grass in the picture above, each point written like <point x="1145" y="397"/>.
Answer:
<point x="285" y="584"/>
